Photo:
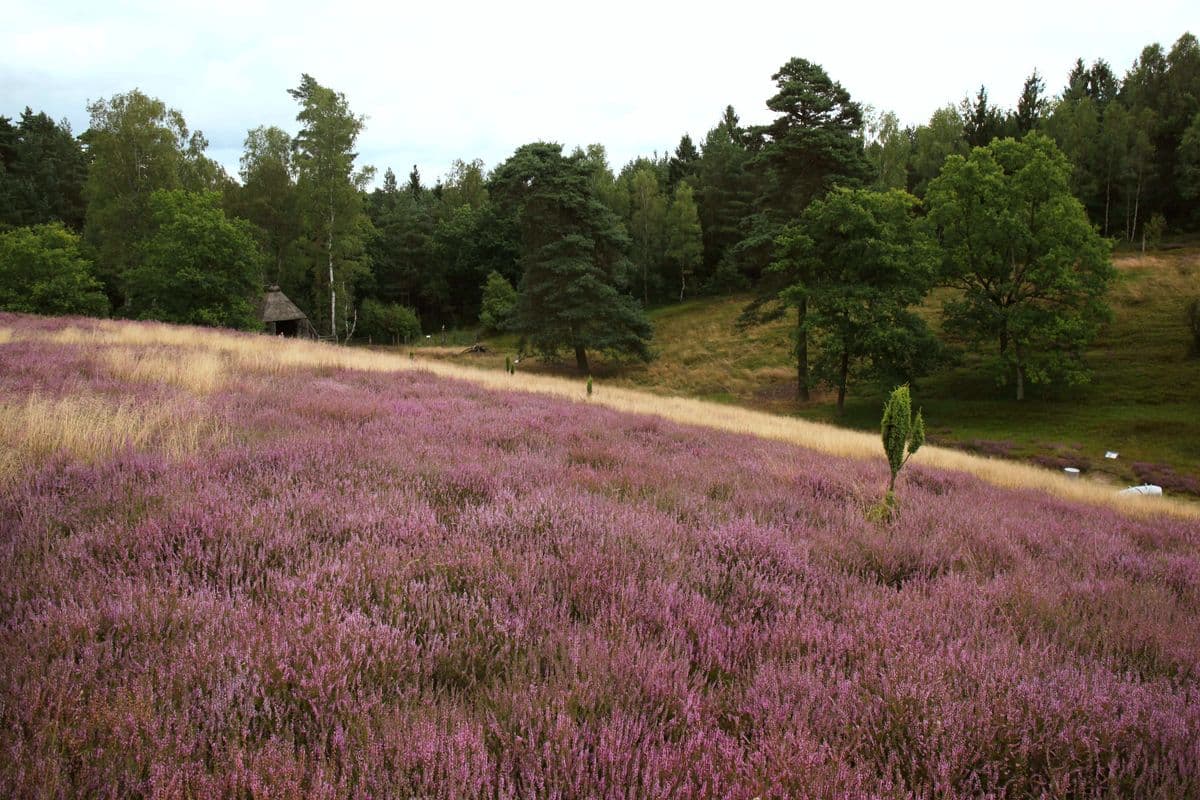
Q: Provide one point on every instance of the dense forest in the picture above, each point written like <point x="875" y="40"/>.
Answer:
<point x="132" y="218"/>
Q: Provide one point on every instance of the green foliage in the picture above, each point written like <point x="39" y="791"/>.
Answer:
<point x="685" y="242"/>
<point x="1152" y="232"/>
<point x="933" y="143"/>
<point x="647" y="229"/>
<point x="572" y="252"/>
<point x="725" y="190"/>
<point x="682" y="165"/>
<point x="499" y="302"/>
<point x="42" y="170"/>
<point x="137" y="147"/>
<point x="1031" y="270"/>
<point x="333" y="224"/>
<point x="888" y="152"/>
<point x="982" y="122"/>
<point x="814" y="143"/>
<point x="589" y="386"/>
<point x="267" y="198"/>
<point x="196" y="266"/>
<point x="860" y="260"/>
<point x="43" y="271"/>
<point x="389" y="322"/>
<point x="508" y="367"/>
<point x="903" y="434"/>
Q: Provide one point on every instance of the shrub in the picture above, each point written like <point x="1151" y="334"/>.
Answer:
<point x="499" y="300"/>
<point x="43" y="271"/>
<point x="903" y="435"/>
<point x="389" y="322"/>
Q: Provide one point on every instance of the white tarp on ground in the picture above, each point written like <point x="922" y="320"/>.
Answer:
<point x="1145" y="488"/>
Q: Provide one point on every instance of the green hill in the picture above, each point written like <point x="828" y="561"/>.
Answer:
<point x="1143" y="401"/>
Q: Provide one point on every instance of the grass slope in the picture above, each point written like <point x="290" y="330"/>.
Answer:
<point x="1143" y="401"/>
<point x="232" y="566"/>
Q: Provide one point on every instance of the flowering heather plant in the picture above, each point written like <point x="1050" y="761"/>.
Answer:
<point x="370" y="584"/>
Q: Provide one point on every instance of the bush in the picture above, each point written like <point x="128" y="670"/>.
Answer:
<point x="198" y="266"/>
<point x="389" y="322"/>
<point x="903" y="435"/>
<point x="43" y="271"/>
<point x="499" y="300"/>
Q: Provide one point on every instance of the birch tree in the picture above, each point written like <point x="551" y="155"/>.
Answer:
<point x="329" y="191"/>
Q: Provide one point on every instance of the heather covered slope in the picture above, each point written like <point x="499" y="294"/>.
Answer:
<point x="311" y="581"/>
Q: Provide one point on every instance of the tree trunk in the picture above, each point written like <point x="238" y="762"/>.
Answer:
<point x="581" y="359"/>
<point x="802" y="351"/>
<point x="1107" y="196"/>
<point x="842" y="379"/>
<point x="1137" y="198"/>
<point x="1020" y="374"/>
<point x="332" y="291"/>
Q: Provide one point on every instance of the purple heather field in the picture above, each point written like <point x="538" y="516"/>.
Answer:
<point x="394" y="585"/>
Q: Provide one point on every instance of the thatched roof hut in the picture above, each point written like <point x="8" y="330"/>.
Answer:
<point x="281" y="317"/>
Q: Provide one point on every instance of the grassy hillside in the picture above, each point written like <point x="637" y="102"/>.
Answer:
<point x="237" y="566"/>
<point x="1143" y="402"/>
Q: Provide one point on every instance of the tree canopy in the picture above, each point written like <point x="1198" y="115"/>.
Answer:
<point x="43" y="271"/>
<point x="573" y="256"/>
<point x="1032" y="269"/>
<point x="196" y="266"/>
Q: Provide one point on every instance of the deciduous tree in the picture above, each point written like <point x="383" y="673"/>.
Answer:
<point x="330" y="200"/>
<point x="43" y="271"/>
<point x="1031" y="270"/>
<point x="860" y="260"/>
<point x="197" y="266"/>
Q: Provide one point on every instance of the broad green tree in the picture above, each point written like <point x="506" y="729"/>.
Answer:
<point x="573" y="258"/>
<point x="389" y="323"/>
<point x="137" y="147"/>
<point x="43" y="271"/>
<point x="1031" y="270"/>
<point x="334" y="224"/>
<point x="861" y="260"/>
<point x="197" y="266"/>
<point x="813" y="145"/>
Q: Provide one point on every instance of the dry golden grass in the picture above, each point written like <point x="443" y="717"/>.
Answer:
<point x="201" y="372"/>
<point x="90" y="429"/>
<point x="267" y="354"/>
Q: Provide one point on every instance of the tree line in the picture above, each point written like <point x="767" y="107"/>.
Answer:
<point x="831" y="212"/>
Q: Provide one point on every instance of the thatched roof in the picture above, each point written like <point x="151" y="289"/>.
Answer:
<point x="276" y="307"/>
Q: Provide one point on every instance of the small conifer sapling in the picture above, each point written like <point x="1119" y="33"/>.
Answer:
<point x="589" y="386"/>
<point x="903" y="435"/>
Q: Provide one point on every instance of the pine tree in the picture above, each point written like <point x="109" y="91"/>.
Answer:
<point x="572" y="254"/>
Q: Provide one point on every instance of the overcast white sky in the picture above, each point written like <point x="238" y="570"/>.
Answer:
<point x="439" y="81"/>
